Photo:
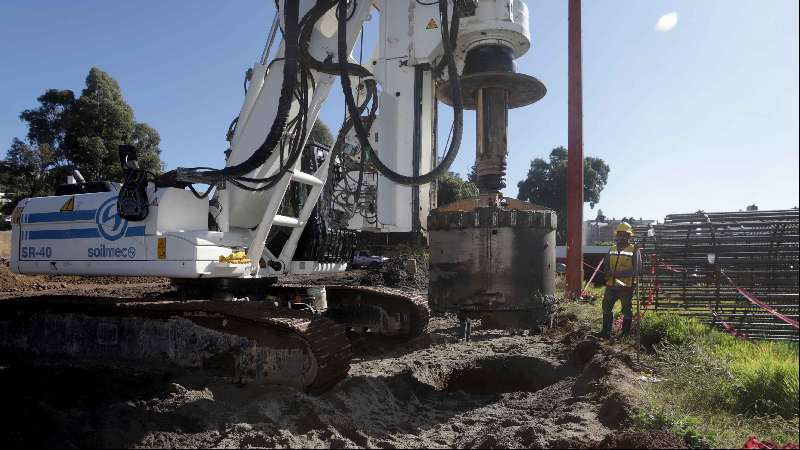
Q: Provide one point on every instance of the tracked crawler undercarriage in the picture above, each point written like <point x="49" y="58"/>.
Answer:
<point x="260" y="341"/>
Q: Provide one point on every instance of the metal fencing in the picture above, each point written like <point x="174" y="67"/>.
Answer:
<point x="735" y="270"/>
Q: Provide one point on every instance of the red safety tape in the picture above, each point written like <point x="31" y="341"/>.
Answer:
<point x="758" y="302"/>
<point x="730" y="329"/>
<point x="727" y="326"/>
<point x="753" y="442"/>
<point x="596" y="269"/>
<point x="671" y="268"/>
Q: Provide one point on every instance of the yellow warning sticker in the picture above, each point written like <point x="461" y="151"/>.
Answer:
<point x="432" y="24"/>
<point x="69" y="205"/>
<point x="162" y="248"/>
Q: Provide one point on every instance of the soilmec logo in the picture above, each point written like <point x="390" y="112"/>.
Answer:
<point x="110" y="225"/>
<point x="111" y="252"/>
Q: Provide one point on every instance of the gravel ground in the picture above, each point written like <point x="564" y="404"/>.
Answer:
<point x="502" y="389"/>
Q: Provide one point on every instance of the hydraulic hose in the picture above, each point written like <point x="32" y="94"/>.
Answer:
<point x="257" y="158"/>
<point x="299" y="131"/>
<point x="361" y="131"/>
<point x="310" y="20"/>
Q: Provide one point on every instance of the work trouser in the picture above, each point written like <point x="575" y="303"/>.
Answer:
<point x="609" y="299"/>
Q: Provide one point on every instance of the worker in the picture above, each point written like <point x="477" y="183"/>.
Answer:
<point x="621" y="268"/>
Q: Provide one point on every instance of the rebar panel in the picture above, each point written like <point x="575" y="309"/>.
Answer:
<point x="685" y="258"/>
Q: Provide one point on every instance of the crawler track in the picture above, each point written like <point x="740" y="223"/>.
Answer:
<point x="246" y="341"/>
<point x="377" y="310"/>
<point x="413" y="310"/>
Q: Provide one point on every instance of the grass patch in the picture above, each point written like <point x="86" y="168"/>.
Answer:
<point x="685" y="427"/>
<point x="669" y="328"/>
<point x="715" y="390"/>
<point x="728" y="389"/>
<point x="589" y="313"/>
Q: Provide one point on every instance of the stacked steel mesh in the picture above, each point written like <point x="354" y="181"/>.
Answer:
<point x="694" y="263"/>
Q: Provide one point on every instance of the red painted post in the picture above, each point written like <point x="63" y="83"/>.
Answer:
<point x="575" y="158"/>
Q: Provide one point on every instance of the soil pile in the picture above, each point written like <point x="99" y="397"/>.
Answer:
<point x="12" y="282"/>
<point x="500" y="390"/>
<point x="560" y="388"/>
<point x="643" y="439"/>
<point x="16" y="284"/>
<point x="394" y="273"/>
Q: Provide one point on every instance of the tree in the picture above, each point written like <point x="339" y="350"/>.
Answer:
<point x="546" y="184"/>
<point x="98" y="123"/>
<point x="452" y="187"/>
<point x="600" y="216"/>
<point x="25" y="173"/>
<point x="472" y="176"/>
<point x="752" y="207"/>
<point x="321" y="134"/>
<point x="65" y="133"/>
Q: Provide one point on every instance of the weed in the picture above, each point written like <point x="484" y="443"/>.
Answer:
<point x="674" y="329"/>
<point x="685" y="427"/>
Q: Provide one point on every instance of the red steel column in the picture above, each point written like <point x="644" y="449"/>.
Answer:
<point x="575" y="158"/>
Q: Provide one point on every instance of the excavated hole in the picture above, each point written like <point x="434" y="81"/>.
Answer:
<point x="497" y="375"/>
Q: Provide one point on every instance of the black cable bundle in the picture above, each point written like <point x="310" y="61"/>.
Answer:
<point x="361" y="129"/>
<point x="260" y="155"/>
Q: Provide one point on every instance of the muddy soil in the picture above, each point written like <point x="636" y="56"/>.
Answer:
<point x="503" y="389"/>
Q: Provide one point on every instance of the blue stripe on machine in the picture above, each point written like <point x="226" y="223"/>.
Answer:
<point x="61" y="216"/>
<point x="79" y="233"/>
<point x="134" y="231"/>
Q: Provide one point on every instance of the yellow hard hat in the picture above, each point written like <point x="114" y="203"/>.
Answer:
<point x="624" y="227"/>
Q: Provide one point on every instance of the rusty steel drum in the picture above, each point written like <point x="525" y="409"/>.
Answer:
<point x="495" y="263"/>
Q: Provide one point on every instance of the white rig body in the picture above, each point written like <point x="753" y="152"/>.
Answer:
<point x="83" y="235"/>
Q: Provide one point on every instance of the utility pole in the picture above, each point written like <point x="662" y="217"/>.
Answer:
<point x="575" y="155"/>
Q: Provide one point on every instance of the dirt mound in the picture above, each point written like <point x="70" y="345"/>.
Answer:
<point x="500" y="390"/>
<point x="12" y="282"/>
<point x="393" y="273"/>
<point x="642" y="439"/>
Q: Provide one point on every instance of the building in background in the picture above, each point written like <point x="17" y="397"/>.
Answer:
<point x="598" y="237"/>
<point x="601" y="232"/>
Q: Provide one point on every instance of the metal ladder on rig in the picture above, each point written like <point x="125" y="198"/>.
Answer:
<point x="271" y="217"/>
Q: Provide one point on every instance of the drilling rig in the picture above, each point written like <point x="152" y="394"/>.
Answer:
<point x="262" y="217"/>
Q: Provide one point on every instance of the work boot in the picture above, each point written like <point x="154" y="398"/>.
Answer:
<point x="602" y="335"/>
<point x="626" y="326"/>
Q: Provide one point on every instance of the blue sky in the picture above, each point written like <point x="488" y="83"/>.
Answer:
<point x="704" y="116"/>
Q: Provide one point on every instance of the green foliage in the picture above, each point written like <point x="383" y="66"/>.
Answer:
<point x="321" y="134"/>
<point x="765" y="375"/>
<point x="451" y="188"/>
<point x="66" y="133"/>
<point x="600" y="216"/>
<point x="25" y="171"/>
<point x="747" y="377"/>
<point x="711" y="388"/>
<point x="736" y="387"/>
<point x="697" y="382"/>
<point x="669" y="328"/>
<point x="546" y="184"/>
<point x="685" y="427"/>
<point x="472" y="176"/>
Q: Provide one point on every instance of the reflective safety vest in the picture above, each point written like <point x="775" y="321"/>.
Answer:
<point x="621" y="261"/>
